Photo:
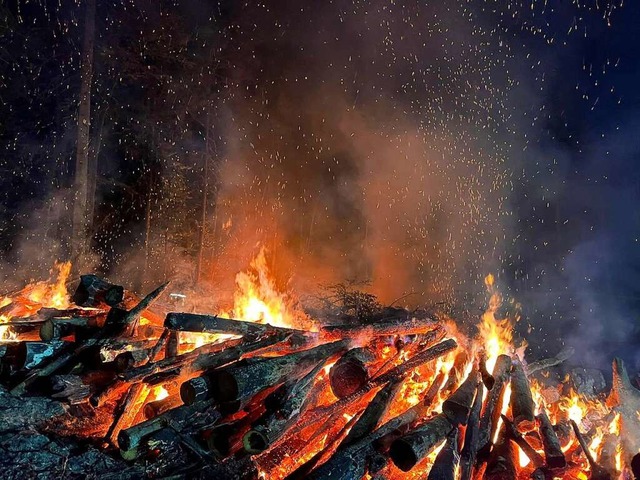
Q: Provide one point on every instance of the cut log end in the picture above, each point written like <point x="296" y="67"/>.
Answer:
<point x="403" y="455"/>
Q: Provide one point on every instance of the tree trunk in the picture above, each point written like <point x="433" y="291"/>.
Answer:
<point x="82" y="174"/>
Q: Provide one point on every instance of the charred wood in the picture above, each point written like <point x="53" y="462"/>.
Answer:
<point x="445" y="465"/>
<point x="408" y="450"/>
<point x="552" y="449"/>
<point x="471" y="437"/>
<point x="493" y="405"/>
<point x="458" y="406"/>
<point x="522" y="406"/>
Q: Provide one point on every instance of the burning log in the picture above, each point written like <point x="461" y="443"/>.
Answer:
<point x="191" y="322"/>
<point x="351" y="371"/>
<point x="70" y="388"/>
<point x="455" y="373"/>
<point x="93" y="291"/>
<point x="158" y="407"/>
<point x="31" y="355"/>
<point x="471" y="437"/>
<point x="607" y="453"/>
<point x="501" y="464"/>
<point x="458" y="406"/>
<point x="119" y="316"/>
<point x="376" y="409"/>
<point x="552" y="449"/>
<point x="130" y="407"/>
<point x="513" y="434"/>
<point x="597" y="472"/>
<point x="445" y="465"/>
<point x="244" y="379"/>
<point x="547" y="363"/>
<point x="493" y="404"/>
<point x="389" y="327"/>
<point x="132" y="358"/>
<point x="186" y="418"/>
<point x="60" y="327"/>
<point x="409" y="449"/>
<point x="625" y="398"/>
<point x="522" y="406"/>
<point x="284" y="407"/>
<point x="487" y="378"/>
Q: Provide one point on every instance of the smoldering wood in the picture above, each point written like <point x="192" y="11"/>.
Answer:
<point x="351" y="371"/>
<point x="552" y="449"/>
<point x="408" y="450"/>
<point x="132" y="358"/>
<point x="245" y="378"/>
<point x="597" y="472"/>
<point x="159" y="345"/>
<point x="119" y="316"/>
<point x="458" y="406"/>
<point x="283" y="410"/>
<point x="513" y="433"/>
<point x="445" y="465"/>
<point x="471" y="437"/>
<point x="493" y="405"/>
<point x="31" y="355"/>
<point x="522" y="406"/>
<point x="114" y="347"/>
<point x="186" y="418"/>
<point x="547" y="363"/>
<point x="501" y="463"/>
<point x="70" y="388"/>
<point x="92" y="291"/>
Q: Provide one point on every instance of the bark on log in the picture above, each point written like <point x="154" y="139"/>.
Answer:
<point x="552" y="449"/>
<point x="376" y="409"/>
<point x="127" y="412"/>
<point x="458" y="406"/>
<point x="31" y="355"/>
<point x="185" y="418"/>
<point x="471" y="437"/>
<point x="239" y="382"/>
<point x="522" y="406"/>
<point x="93" y="291"/>
<point x="408" y="450"/>
<point x="60" y="327"/>
<point x="492" y="407"/>
<point x="191" y="322"/>
<point x="158" y="407"/>
<point x="445" y="465"/>
<point x="283" y="410"/>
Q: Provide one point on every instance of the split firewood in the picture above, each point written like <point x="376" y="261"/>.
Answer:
<point x="130" y="407"/>
<point x="158" y="407"/>
<point x="493" y="405"/>
<point x="552" y="449"/>
<point x="408" y="450"/>
<point x="445" y="465"/>
<point x="471" y="437"/>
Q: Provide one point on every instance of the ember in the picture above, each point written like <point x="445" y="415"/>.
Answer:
<point x="263" y="399"/>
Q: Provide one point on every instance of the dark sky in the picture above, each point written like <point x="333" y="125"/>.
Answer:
<point x="418" y="145"/>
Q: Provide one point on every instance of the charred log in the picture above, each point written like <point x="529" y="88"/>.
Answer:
<point x="458" y="406"/>
<point x="445" y="465"/>
<point x="408" y="450"/>
<point x="351" y="371"/>
<point x="493" y="404"/>
<point x="552" y="449"/>
<point x="471" y="437"/>
<point x="522" y="406"/>
<point x="93" y="291"/>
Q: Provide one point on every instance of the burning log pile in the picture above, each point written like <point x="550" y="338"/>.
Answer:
<point x="201" y="396"/>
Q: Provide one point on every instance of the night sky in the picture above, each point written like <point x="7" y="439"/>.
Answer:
<point x="415" y="145"/>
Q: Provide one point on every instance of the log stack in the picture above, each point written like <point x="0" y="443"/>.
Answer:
<point x="264" y="401"/>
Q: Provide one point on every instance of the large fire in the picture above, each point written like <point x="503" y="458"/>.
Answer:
<point x="258" y="299"/>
